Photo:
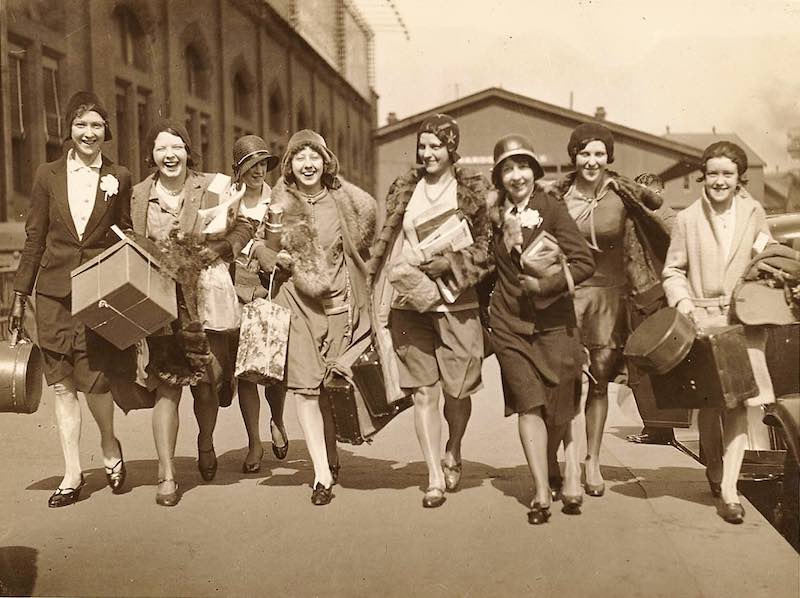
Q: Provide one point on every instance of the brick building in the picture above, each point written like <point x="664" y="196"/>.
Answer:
<point x="225" y="67"/>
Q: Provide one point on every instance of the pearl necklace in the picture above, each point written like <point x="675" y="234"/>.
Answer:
<point x="169" y="191"/>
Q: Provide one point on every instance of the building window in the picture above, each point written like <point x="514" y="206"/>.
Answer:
<point x="205" y="140"/>
<point x="142" y="129"/>
<point x="131" y="39"/>
<point x="242" y="95"/>
<point x="302" y="116"/>
<point x="197" y="76"/>
<point x="52" y="109"/>
<point x="277" y="112"/>
<point x="124" y="125"/>
<point x="20" y="150"/>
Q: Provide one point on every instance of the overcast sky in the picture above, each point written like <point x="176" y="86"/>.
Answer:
<point x="686" y="64"/>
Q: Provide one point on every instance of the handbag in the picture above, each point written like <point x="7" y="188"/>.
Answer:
<point x="20" y="375"/>
<point x="263" y="340"/>
<point x="544" y="258"/>
<point x="217" y="302"/>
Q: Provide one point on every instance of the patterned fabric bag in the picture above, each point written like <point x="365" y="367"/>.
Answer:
<point x="263" y="341"/>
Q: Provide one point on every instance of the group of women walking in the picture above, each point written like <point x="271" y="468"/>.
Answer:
<point x="545" y="283"/>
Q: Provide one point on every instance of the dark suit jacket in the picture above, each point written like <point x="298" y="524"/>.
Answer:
<point x="52" y="247"/>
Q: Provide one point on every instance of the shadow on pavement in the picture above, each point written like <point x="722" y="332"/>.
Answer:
<point x="17" y="570"/>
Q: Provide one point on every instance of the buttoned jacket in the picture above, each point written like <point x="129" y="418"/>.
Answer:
<point x="52" y="246"/>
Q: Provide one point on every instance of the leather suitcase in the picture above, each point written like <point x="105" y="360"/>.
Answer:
<point x="715" y="373"/>
<point x="353" y="419"/>
<point x="783" y="358"/>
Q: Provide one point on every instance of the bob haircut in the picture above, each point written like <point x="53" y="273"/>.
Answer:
<point x="173" y="129"/>
<point x="725" y="149"/>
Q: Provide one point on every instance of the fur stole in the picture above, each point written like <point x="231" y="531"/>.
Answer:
<point x="312" y="272"/>
<point x="468" y="266"/>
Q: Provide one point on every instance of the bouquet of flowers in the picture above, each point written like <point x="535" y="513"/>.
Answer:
<point x="183" y="257"/>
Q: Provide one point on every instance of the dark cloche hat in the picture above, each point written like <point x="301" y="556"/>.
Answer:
<point x="514" y="145"/>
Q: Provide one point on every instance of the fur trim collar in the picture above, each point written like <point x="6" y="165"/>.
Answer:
<point x="312" y="273"/>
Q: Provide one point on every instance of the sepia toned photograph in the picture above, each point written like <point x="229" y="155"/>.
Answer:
<point x="357" y="298"/>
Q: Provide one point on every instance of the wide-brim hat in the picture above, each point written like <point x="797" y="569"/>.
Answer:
<point x="514" y="145"/>
<point x="249" y="151"/>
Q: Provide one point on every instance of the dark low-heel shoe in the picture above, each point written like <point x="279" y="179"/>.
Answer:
<point x="597" y="490"/>
<point x="732" y="512"/>
<point x="207" y="463"/>
<point x="538" y="514"/>
<point x="321" y="495"/>
<point x="169" y="499"/>
<point x="571" y="504"/>
<point x="63" y="497"/>
<point x="115" y="476"/>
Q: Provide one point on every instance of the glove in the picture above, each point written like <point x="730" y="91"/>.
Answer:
<point x="435" y="267"/>
<point x="686" y="307"/>
<point x="529" y="284"/>
<point x="284" y="261"/>
<point x="17" y="314"/>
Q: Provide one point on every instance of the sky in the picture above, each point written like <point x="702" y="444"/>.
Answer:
<point x="689" y="65"/>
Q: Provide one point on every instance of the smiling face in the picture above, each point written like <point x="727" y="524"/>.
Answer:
<point x="433" y="154"/>
<point x="307" y="168"/>
<point x="517" y="177"/>
<point x="254" y="177"/>
<point x="591" y="162"/>
<point x="721" y="179"/>
<point x="88" y="131"/>
<point x="170" y="155"/>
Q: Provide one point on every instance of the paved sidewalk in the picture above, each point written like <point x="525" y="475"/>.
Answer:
<point x="655" y="532"/>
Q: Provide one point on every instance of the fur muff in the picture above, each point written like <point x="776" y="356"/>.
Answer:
<point x="468" y="266"/>
<point x="312" y="271"/>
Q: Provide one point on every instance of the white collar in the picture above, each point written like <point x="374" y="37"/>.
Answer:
<point x="521" y="206"/>
<point x="75" y="163"/>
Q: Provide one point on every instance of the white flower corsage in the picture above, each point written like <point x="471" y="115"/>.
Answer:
<point x="109" y="185"/>
<point x="529" y="218"/>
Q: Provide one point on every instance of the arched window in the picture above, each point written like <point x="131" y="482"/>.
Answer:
<point x="323" y="129"/>
<point x="197" y="75"/>
<point x="131" y="42"/>
<point x="277" y="111"/>
<point x="303" y="122"/>
<point x="242" y="94"/>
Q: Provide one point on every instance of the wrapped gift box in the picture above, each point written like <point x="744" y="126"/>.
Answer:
<point x="122" y="294"/>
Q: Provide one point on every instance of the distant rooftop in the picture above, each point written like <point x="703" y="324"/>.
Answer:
<point x="703" y="140"/>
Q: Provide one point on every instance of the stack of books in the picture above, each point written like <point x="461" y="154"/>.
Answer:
<point x="439" y="229"/>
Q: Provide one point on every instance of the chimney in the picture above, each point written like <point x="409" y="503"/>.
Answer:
<point x="667" y="129"/>
<point x="391" y="118"/>
<point x="600" y="113"/>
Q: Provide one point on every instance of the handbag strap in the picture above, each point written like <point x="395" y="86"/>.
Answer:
<point x="568" y="276"/>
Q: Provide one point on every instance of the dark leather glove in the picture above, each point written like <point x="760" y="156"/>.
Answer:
<point x="529" y="284"/>
<point x="435" y="267"/>
<point x="17" y="314"/>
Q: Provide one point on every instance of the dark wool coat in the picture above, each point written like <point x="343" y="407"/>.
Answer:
<point x="646" y="238"/>
<point x="468" y="266"/>
<point x="510" y="304"/>
<point x="52" y="247"/>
